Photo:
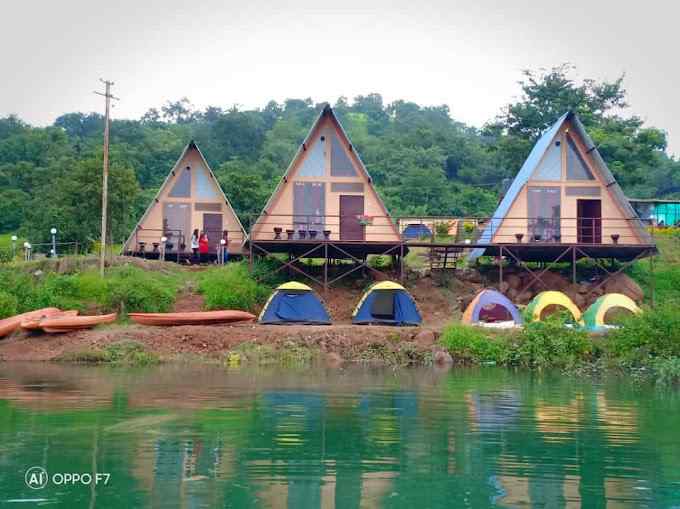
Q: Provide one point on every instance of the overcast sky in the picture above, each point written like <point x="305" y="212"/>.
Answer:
<point x="466" y="54"/>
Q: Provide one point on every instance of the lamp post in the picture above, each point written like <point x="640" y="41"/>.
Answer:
<point x="222" y="247"/>
<point x="53" y="231"/>
<point x="164" y="239"/>
<point x="14" y="246"/>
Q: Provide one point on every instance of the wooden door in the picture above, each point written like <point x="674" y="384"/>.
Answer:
<point x="212" y="226"/>
<point x="351" y="207"/>
<point x="589" y="221"/>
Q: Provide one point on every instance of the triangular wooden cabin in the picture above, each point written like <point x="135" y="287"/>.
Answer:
<point x="190" y="198"/>
<point x="326" y="193"/>
<point x="564" y="194"/>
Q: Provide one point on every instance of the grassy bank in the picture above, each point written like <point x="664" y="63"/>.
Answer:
<point x="647" y="345"/>
<point x="126" y="288"/>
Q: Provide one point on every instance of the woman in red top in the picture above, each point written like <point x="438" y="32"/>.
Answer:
<point x="203" y="247"/>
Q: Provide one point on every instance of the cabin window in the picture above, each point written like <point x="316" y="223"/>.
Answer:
<point x="550" y="167"/>
<point x="577" y="169"/>
<point x="341" y="166"/>
<point x="207" y="207"/>
<point x="309" y="206"/>
<point x="583" y="191"/>
<point x="176" y="224"/>
<point x="205" y="187"/>
<point x="313" y="164"/>
<point x="544" y="206"/>
<point x="182" y="187"/>
<point x="347" y="187"/>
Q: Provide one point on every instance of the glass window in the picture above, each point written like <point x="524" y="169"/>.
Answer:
<point x="309" y="206"/>
<point x="341" y="166"/>
<point x="182" y="187"/>
<point x="550" y="167"/>
<point x="577" y="169"/>
<point x="205" y="187"/>
<point x="313" y="164"/>
<point x="544" y="205"/>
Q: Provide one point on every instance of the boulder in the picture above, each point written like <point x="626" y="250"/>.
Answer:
<point x="525" y="297"/>
<point x="443" y="358"/>
<point x="470" y="275"/>
<point x="425" y="338"/>
<point x="555" y="281"/>
<point x="514" y="281"/>
<point x="621" y="283"/>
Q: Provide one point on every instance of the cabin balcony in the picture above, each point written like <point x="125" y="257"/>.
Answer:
<point x="533" y="238"/>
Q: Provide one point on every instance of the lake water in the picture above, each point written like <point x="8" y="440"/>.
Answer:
<point x="206" y="436"/>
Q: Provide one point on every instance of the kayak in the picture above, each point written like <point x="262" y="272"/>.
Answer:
<point x="191" y="318"/>
<point x="73" y="323"/>
<point x="34" y="323"/>
<point x="9" y="325"/>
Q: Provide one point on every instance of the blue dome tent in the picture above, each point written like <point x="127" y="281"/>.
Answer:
<point x="386" y="303"/>
<point x="294" y="303"/>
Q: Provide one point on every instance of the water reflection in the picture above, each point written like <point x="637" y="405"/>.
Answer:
<point x="202" y="436"/>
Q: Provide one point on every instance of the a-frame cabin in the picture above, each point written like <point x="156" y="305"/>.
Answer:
<point x="564" y="194"/>
<point x="326" y="194"/>
<point x="190" y="198"/>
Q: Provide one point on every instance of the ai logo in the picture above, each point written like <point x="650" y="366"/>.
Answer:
<point x="36" y="478"/>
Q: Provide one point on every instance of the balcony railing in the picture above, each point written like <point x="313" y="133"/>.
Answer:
<point x="450" y="230"/>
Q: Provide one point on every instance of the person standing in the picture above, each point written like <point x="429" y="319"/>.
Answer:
<point x="194" y="246"/>
<point x="203" y="247"/>
<point x="225" y="248"/>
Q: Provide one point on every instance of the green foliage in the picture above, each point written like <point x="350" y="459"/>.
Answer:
<point x="422" y="161"/>
<point x="667" y="370"/>
<point x="124" y="289"/>
<point x="129" y="353"/>
<point x="232" y="287"/>
<point x="550" y="343"/>
<point x="379" y="262"/>
<point x="473" y="344"/>
<point x="131" y="289"/>
<point x="656" y="333"/>
<point x="8" y="304"/>
<point x="121" y="353"/>
<point x="539" y="345"/>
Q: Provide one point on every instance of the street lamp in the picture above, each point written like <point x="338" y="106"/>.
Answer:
<point x="14" y="246"/>
<point x="53" y="231"/>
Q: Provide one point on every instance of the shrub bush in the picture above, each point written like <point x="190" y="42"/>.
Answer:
<point x="472" y="344"/>
<point x="129" y="289"/>
<point x="549" y="343"/>
<point x="655" y="332"/>
<point x="232" y="287"/>
<point x="8" y="304"/>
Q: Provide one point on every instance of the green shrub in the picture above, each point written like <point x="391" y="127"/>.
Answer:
<point x="472" y="344"/>
<point x="655" y="332"/>
<point x="550" y="343"/>
<point x="129" y="289"/>
<point x="126" y="353"/>
<point x="667" y="370"/>
<point x="379" y="262"/>
<point x="8" y="304"/>
<point x="129" y="353"/>
<point x="231" y="287"/>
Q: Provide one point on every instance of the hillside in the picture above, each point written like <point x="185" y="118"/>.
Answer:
<point x="422" y="160"/>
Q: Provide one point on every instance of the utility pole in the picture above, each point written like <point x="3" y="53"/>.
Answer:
<point x="105" y="178"/>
